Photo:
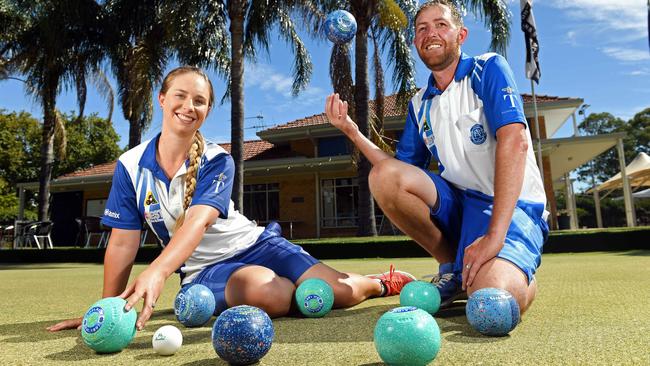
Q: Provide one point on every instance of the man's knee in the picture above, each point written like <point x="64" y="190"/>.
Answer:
<point x="384" y="175"/>
<point x="499" y="273"/>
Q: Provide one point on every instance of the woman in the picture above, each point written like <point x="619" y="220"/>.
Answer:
<point x="181" y="185"/>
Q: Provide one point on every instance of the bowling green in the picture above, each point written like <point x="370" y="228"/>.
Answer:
<point x="591" y="309"/>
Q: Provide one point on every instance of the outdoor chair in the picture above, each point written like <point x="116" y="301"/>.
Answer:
<point x="89" y="227"/>
<point x="6" y="236"/>
<point x="106" y="234"/>
<point x="40" y="231"/>
<point x="21" y="237"/>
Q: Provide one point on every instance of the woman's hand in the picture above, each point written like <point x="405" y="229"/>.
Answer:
<point x="148" y="286"/>
<point x="66" y="324"/>
<point x="337" y="112"/>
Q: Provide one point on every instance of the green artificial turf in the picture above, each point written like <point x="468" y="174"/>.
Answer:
<point x="591" y="309"/>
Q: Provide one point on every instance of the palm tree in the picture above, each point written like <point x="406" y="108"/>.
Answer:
<point x="141" y="47"/>
<point x="53" y="44"/>
<point x="137" y="39"/>
<point x="389" y="25"/>
<point x="250" y="24"/>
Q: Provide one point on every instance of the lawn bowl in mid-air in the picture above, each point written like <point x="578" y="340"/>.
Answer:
<point x="340" y="27"/>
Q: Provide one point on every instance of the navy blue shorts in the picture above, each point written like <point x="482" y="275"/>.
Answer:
<point x="463" y="216"/>
<point x="270" y="250"/>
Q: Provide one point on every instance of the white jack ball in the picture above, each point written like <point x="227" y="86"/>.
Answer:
<point x="167" y="340"/>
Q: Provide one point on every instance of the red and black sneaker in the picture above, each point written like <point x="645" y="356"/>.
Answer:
<point x="393" y="280"/>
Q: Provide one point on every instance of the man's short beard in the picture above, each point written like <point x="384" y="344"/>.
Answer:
<point x="449" y="59"/>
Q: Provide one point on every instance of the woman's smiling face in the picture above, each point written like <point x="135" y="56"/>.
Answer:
<point x="186" y="103"/>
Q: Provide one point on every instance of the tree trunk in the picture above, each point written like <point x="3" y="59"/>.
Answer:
<point x="362" y="12"/>
<point x="135" y="131"/>
<point x="236" y="13"/>
<point x="47" y="151"/>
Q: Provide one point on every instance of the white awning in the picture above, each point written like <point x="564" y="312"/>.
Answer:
<point x="638" y="172"/>
<point x="569" y="153"/>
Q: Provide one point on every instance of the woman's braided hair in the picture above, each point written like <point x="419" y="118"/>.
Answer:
<point x="198" y="142"/>
<point x="195" y="153"/>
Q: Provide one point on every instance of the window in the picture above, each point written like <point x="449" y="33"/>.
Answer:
<point x="333" y="146"/>
<point x="339" y="202"/>
<point x="262" y="201"/>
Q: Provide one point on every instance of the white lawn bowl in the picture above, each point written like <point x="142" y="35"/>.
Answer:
<point x="167" y="340"/>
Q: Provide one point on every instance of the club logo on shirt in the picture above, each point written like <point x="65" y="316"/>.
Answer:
<point x="477" y="134"/>
<point x="153" y="216"/>
<point x="219" y="182"/>
<point x="425" y="124"/>
<point x="150" y="200"/>
<point x="510" y="95"/>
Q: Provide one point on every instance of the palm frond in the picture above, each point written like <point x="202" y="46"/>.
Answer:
<point x="391" y="15"/>
<point x="103" y="86"/>
<point x="496" y="17"/>
<point x="302" y="66"/>
<point x="377" y="120"/>
<point x="200" y="35"/>
<point x="259" y="18"/>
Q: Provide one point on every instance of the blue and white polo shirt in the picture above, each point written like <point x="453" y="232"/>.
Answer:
<point x="458" y="126"/>
<point x="141" y="192"/>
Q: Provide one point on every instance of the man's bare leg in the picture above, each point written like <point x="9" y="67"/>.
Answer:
<point x="405" y="194"/>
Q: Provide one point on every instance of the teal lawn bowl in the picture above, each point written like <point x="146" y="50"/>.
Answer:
<point x="422" y="295"/>
<point x="407" y="336"/>
<point x="314" y="297"/>
<point x="106" y="327"/>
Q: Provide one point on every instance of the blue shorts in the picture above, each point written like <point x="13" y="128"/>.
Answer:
<point x="270" y="250"/>
<point x="463" y="216"/>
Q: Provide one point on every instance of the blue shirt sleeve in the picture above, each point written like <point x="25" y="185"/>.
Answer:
<point x="411" y="148"/>
<point x="502" y="102"/>
<point x="121" y="210"/>
<point x="214" y="184"/>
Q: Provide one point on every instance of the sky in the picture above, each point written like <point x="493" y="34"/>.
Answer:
<point x="596" y="50"/>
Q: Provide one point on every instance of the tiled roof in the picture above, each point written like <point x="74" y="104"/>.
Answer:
<point x="102" y="169"/>
<point x="391" y="109"/>
<point x="251" y="150"/>
<point x="528" y="98"/>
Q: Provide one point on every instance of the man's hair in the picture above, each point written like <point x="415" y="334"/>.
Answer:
<point x="455" y="13"/>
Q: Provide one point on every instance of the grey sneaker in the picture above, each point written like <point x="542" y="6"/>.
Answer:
<point x="450" y="287"/>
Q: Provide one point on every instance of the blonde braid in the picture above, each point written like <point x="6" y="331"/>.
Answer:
<point x="195" y="154"/>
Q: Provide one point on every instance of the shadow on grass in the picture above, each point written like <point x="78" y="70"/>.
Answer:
<point x="32" y="267"/>
<point x="210" y="361"/>
<point x="357" y="325"/>
<point x="637" y="253"/>
<point x="33" y="332"/>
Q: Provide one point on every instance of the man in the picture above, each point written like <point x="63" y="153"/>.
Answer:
<point x="482" y="216"/>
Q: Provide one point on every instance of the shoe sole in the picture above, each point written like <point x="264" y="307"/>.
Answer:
<point x="449" y="302"/>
